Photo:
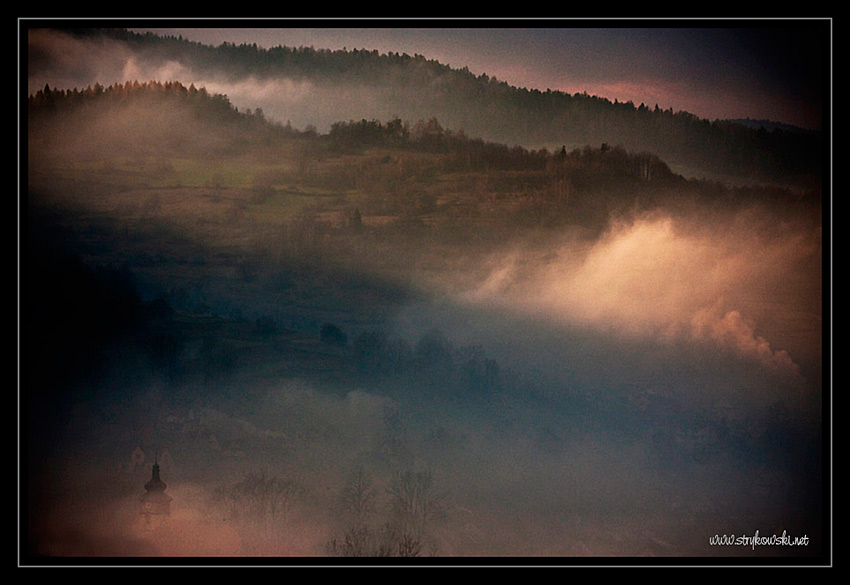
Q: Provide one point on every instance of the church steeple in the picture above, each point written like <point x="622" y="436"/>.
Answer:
<point x="155" y="503"/>
<point x="155" y="484"/>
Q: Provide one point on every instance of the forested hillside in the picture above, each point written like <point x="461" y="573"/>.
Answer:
<point x="168" y="118"/>
<point x="413" y="88"/>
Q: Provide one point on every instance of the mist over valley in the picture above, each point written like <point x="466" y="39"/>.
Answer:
<point x="366" y="316"/>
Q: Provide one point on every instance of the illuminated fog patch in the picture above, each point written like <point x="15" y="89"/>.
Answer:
<point x="655" y="278"/>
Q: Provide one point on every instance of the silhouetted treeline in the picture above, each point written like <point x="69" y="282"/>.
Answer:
<point x="49" y="98"/>
<point x="484" y="106"/>
<point x="204" y="106"/>
<point x="463" y="152"/>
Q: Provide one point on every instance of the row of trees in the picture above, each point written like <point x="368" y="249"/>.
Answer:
<point x="395" y="522"/>
<point x="203" y="106"/>
<point x="394" y="519"/>
<point x="48" y="97"/>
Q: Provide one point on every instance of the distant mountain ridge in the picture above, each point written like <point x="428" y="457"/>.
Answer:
<point x="413" y="88"/>
<point x="771" y="126"/>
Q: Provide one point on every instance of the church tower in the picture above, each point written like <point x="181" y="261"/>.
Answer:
<point x="155" y="503"/>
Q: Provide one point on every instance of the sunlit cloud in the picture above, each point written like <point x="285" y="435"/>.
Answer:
<point x="733" y="329"/>
<point x="652" y="278"/>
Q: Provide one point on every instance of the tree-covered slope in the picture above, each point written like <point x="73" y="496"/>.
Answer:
<point x="414" y="87"/>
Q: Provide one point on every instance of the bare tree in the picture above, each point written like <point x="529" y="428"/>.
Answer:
<point x="363" y="541"/>
<point x="359" y="496"/>
<point x="261" y="497"/>
<point x="415" y="501"/>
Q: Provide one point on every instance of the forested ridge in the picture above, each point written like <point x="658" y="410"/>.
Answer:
<point x="587" y="170"/>
<point x="484" y="106"/>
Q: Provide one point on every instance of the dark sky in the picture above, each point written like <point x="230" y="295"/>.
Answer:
<point x="776" y="69"/>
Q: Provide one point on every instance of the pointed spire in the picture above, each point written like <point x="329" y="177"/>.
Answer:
<point x="155" y="484"/>
<point x="155" y="502"/>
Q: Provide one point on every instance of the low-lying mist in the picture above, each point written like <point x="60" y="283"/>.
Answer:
<point x="650" y="388"/>
<point x="734" y="281"/>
